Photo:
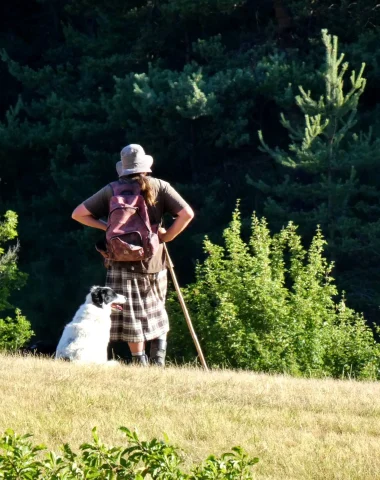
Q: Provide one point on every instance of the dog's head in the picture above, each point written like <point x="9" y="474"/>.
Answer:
<point x="105" y="296"/>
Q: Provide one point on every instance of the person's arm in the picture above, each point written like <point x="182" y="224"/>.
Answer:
<point x="183" y="218"/>
<point x="82" y="215"/>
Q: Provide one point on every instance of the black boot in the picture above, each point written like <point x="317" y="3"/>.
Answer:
<point x="140" y="360"/>
<point x="158" y="352"/>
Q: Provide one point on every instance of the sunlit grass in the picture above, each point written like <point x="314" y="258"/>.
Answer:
<point x="300" y="429"/>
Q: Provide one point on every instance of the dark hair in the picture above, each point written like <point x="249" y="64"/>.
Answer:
<point x="146" y="187"/>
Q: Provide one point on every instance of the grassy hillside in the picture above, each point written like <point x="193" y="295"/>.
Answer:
<point x="300" y="429"/>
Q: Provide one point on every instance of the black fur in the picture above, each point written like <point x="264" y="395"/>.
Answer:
<point x="101" y="295"/>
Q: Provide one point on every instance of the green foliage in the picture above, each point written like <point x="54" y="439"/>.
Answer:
<point x="155" y="459"/>
<point x="10" y="277"/>
<point x="326" y="174"/>
<point x="14" y="332"/>
<point x="316" y="146"/>
<point x="269" y="305"/>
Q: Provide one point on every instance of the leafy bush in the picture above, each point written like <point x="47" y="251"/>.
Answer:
<point x="154" y="459"/>
<point x="270" y="305"/>
<point x="14" y="332"/>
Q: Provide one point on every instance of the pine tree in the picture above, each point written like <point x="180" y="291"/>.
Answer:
<point x="326" y="173"/>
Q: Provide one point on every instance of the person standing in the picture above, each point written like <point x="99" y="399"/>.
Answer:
<point x="144" y="282"/>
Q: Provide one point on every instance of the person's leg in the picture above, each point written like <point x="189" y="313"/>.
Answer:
<point x="138" y="353"/>
<point x="160" y="321"/>
<point x="158" y="350"/>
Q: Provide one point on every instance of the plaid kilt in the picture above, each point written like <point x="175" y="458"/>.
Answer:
<point x="144" y="316"/>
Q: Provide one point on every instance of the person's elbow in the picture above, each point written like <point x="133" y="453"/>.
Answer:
<point x="75" y="214"/>
<point x="79" y="212"/>
<point x="187" y="213"/>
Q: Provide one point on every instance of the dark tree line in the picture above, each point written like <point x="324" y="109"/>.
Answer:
<point x="193" y="82"/>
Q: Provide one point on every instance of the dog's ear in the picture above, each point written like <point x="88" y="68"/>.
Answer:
<point x="96" y="296"/>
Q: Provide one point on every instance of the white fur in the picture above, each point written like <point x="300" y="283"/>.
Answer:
<point x="85" y="338"/>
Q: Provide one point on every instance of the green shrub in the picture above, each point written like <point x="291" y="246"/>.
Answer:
<point x="14" y="332"/>
<point x="155" y="459"/>
<point x="270" y="305"/>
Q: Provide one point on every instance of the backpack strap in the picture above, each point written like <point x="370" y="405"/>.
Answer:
<point x="147" y="226"/>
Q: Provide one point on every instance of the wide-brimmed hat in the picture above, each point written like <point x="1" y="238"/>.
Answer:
<point x="133" y="160"/>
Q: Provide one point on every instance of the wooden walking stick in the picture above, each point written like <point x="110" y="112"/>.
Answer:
<point x="184" y="309"/>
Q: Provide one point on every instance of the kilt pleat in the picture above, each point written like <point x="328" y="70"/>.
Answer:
<point x="144" y="316"/>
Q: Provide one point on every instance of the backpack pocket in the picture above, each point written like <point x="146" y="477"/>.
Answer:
<point x="126" y="248"/>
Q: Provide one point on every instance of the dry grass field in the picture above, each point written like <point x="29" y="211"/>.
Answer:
<point x="299" y="429"/>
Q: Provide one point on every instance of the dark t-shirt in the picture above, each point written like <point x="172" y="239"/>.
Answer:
<point x="167" y="201"/>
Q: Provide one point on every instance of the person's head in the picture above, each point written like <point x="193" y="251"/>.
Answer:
<point x="135" y="164"/>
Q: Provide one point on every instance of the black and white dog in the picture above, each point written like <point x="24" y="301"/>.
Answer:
<point x="86" y="337"/>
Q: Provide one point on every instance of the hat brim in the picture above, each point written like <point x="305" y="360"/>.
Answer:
<point x="144" y="167"/>
<point x="130" y="171"/>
